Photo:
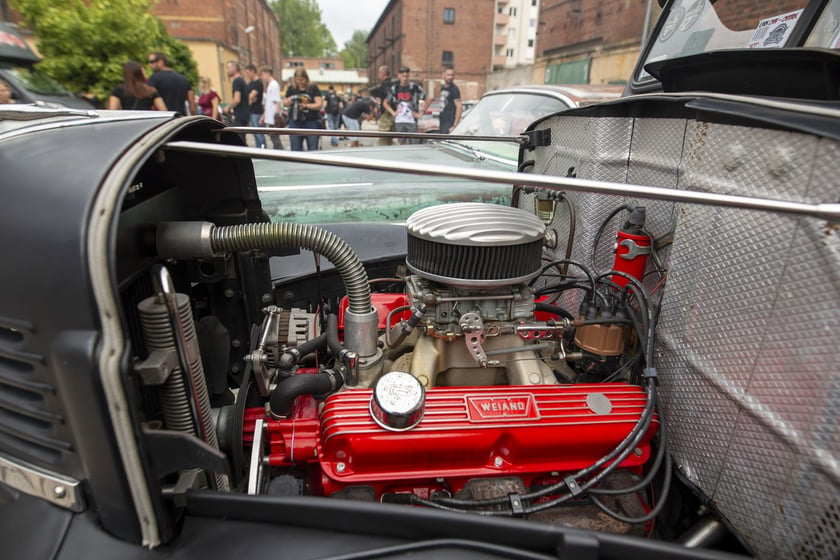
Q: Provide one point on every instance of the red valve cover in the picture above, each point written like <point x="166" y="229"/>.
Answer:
<point x="476" y="432"/>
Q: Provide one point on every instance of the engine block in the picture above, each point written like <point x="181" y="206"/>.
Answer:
<point x="465" y="433"/>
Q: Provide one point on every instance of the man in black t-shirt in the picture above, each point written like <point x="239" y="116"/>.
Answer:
<point x="255" y="106"/>
<point x="238" y="106"/>
<point x="174" y="88"/>
<point x="450" y="102"/>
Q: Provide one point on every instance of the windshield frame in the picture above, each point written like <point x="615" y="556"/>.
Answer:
<point x="641" y="81"/>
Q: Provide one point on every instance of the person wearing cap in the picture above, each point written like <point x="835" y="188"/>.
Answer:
<point x="407" y="102"/>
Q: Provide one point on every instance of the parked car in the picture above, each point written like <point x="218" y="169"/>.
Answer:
<point x="320" y="194"/>
<point x="515" y="113"/>
<point x="635" y="357"/>
<point x="18" y="68"/>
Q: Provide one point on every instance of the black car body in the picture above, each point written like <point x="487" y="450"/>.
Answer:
<point x="636" y="358"/>
<point x="18" y="68"/>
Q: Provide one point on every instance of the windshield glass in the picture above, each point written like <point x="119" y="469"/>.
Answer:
<point x="35" y="81"/>
<point x="507" y="114"/>
<point x="826" y="33"/>
<point x="698" y="26"/>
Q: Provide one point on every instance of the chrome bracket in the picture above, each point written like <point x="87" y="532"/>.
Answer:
<point x="59" y="490"/>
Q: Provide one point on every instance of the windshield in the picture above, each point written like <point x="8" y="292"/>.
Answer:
<point x="35" y="81"/>
<point x="506" y="114"/>
<point x="698" y="26"/>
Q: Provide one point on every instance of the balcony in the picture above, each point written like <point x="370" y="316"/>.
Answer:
<point x="502" y="19"/>
<point x="500" y="40"/>
<point x="499" y="60"/>
<point x="502" y="2"/>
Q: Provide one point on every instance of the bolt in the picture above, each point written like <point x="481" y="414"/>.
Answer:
<point x="498" y="462"/>
<point x="340" y="467"/>
<point x="234" y="368"/>
<point x="228" y="293"/>
<point x="60" y="492"/>
<point x="236" y="343"/>
<point x="637" y="452"/>
<point x="266" y="298"/>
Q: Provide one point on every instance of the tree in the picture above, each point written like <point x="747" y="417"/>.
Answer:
<point x="85" y="42"/>
<point x="302" y="32"/>
<point x="355" y="50"/>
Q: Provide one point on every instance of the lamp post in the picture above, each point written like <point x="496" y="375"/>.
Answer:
<point x="248" y="30"/>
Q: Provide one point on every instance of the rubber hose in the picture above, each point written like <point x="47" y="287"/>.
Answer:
<point x="289" y="389"/>
<point x="245" y="237"/>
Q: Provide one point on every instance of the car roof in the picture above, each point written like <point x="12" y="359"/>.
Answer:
<point x="573" y="94"/>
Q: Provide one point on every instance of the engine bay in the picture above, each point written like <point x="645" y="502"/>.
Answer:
<point x="457" y="381"/>
<point x="483" y="359"/>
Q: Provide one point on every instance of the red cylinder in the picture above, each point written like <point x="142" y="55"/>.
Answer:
<point x="631" y="255"/>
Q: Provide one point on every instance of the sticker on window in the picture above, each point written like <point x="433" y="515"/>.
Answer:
<point x="774" y="31"/>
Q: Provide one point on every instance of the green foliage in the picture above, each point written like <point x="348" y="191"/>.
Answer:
<point x="85" y="42"/>
<point x="302" y="33"/>
<point x="355" y="51"/>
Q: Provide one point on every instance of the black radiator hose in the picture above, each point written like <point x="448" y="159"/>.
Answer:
<point x="284" y="395"/>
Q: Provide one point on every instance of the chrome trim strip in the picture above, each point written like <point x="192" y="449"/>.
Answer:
<point x="57" y="489"/>
<point x="826" y="211"/>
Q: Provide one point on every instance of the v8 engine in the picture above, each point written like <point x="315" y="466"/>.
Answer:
<point x="461" y="386"/>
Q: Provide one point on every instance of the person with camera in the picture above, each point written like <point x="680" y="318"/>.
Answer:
<point x="304" y="101"/>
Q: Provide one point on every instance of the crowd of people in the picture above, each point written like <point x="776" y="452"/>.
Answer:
<point x="257" y="100"/>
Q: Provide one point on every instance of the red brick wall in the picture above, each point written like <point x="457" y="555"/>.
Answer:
<point x="225" y="21"/>
<point x="571" y="22"/>
<point x="746" y="15"/>
<point x="412" y="33"/>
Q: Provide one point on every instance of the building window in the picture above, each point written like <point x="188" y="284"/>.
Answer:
<point x="530" y="42"/>
<point x="449" y="15"/>
<point x="447" y="58"/>
<point x="512" y="11"/>
<point x="533" y="2"/>
<point x="509" y="53"/>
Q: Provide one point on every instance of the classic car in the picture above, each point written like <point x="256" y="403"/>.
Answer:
<point x="320" y="194"/>
<point x="635" y="357"/>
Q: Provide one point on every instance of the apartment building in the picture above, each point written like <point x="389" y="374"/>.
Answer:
<point x="514" y="42"/>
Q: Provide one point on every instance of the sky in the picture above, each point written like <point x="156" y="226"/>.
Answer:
<point x="342" y="18"/>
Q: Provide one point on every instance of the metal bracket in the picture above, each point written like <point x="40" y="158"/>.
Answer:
<point x="259" y="358"/>
<point x="255" y="469"/>
<point x="29" y="479"/>
<point x="537" y="138"/>
<point x="633" y="249"/>
<point x="173" y="451"/>
<point x="473" y="329"/>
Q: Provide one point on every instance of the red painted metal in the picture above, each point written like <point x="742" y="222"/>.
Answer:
<point x="634" y="266"/>
<point x="466" y="432"/>
<point x="384" y="304"/>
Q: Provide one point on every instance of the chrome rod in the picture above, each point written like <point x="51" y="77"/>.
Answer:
<point x="521" y="139"/>
<point x="827" y="211"/>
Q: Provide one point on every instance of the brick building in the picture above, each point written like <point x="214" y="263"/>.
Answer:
<point x="590" y="41"/>
<point x="427" y="35"/>
<point x="220" y="30"/>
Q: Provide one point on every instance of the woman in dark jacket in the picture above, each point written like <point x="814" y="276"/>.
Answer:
<point x="134" y="94"/>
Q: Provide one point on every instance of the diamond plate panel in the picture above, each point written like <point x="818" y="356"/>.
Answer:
<point x="749" y="343"/>
<point x="748" y="340"/>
